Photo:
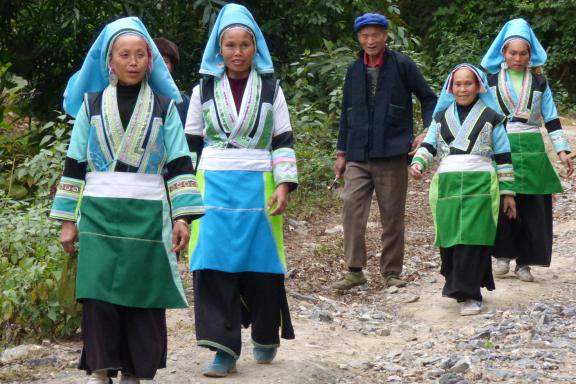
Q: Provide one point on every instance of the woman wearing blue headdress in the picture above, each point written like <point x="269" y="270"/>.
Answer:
<point x="467" y="134"/>
<point x="238" y="120"/>
<point x="112" y="200"/>
<point x="524" y="96"/>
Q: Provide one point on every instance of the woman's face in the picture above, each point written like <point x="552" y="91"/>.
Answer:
<point x="465" y="86"/>
<point x="517" y="55"/>
<point x="129" y="59"/>
<point x="237" y="50"/>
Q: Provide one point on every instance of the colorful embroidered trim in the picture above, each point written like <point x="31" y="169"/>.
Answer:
<point x="184" y="196"/>
<point x="461" y="132"/>
<point x="128" y="144"/>
<point x="521" y="108"/>
<point x="284" y="166"/>
<point x="238" y="125"/>
<point x="67" y="199"/>
<point x="422" y="157"/>
<point x="559" y="141"/>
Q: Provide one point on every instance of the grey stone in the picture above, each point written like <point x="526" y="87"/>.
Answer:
<point x="334" y="230"/>
<point x="449" y="362"/>
<point x="42" y="362"/>
<point x="498" y="374"/>
<point x="296" y="223"/>
<point x="462" y="365"/>
<point x="452" y="378"/>
<point x="383" y="332"/>
<point x="410" y="299"/>
<point x="434" y="373"/>
<point x="393" y="289"/>
<point x="527" y="363"/>
<point x="302" y="297"/>
<point x="389" y="367"/>
<point x="360" y="364"/>
<point x="20" y="352"/>
<point x="321" y="315"/>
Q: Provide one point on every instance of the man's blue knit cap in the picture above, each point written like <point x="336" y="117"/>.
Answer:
<point x="370" y="19"/>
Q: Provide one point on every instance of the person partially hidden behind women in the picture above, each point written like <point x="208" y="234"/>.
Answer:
<point x="524" y="96"/>
<point x="467" y="134"/>
<point x="238" y="115"/>
<point x="112" y="201"/>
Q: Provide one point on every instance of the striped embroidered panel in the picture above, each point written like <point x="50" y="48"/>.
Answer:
<point x="284" y="166"/>
<point x="184" y="196"/>
<point x="67" y="199"/>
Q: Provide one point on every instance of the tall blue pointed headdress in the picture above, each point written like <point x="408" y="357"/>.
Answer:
<point x="212" y="60"/>
<point x="93" y="75"/>
<point x="515" y="28"/>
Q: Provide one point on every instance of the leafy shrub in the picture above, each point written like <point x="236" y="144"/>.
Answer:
<point x="31" y="260"/>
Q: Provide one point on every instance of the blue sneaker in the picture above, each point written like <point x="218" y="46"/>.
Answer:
<point x="264" y="355"/>
<point x="222" y="365"/>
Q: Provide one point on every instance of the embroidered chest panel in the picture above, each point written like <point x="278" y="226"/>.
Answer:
<point x="251" y="127"/>
<point x="139" y="146"/>
<point x="472" y="136"/>
<point x="525" y="107"/>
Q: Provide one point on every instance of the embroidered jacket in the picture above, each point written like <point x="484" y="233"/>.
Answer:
<point x="534" y="104"/>
<point x="481" y="133"/>
<point x="153" y="138"/>
<point x="262" y="123"/>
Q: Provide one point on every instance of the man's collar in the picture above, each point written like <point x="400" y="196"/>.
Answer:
<point x="378" y="62"/>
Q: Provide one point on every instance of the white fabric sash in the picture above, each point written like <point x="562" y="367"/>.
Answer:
<point x="125" y="185"/>
<point x="465" y="163"/>
<point x="235" y="159"/>
<point x="519" y="127"/>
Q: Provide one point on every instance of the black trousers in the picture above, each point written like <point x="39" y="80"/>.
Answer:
<point x="117" y="338"/>
<point x="466" y="268"/>
<point x="224" y="302"/>
<point x="528" y="238"/>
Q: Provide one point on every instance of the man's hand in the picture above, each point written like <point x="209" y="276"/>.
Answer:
<point x="416" y="143"/>
<point x="340" y="165"/>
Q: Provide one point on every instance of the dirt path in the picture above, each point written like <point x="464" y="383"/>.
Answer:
<point x="526" y="333"/>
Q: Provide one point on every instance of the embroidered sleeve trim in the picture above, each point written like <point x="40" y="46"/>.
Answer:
<point x="559" y="141"/>
<point x="284" y="166"/>
<point x="67" y="199"/>
<point x="184" y="196"/>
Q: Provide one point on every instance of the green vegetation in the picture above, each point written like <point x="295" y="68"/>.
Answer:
<point x="43" y="42"/>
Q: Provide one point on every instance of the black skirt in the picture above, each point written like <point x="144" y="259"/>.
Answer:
<point x="528" y="238"/>
<point x="224" y="302"/>
<point x="117" y="338"/>
<point x="466" y="268"/>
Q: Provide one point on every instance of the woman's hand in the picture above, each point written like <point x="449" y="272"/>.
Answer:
<point x="416" y="171"/>
<point x="280" y="199"/>
<point x="68" y="234"/>
<point x="509" y="206"/>
<point x="566" y="161"/>
<point x="180" y="235"/>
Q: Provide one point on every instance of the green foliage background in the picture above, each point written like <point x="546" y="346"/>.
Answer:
<point x="42" y="42"/>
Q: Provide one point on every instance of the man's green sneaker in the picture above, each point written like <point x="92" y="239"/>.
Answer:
<point x="393" y="280"/>
<point x="350" y="280"/>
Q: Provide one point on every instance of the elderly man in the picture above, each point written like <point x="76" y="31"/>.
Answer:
<point x="374" y="142"/>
